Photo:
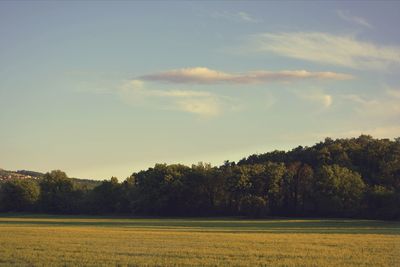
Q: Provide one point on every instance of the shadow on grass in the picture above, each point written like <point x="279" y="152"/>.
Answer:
<point x="231" y="225"/>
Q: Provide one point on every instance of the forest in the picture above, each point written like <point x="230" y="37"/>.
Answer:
<point x="351" y="177"/>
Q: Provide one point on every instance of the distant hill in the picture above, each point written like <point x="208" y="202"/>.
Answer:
<point x="7" y="175"/>
<point x="30" y="173"/>
<point x="26" y="174"/>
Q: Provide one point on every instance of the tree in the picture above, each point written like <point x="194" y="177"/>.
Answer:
<point x="237" y="186"/>
<point x="19" y="195"/>
<point x="162" y="190"/>
<point x="305" y="187"/>
<point x="206" y="186"/>
<point x="57" y="193"/>
<point x="106" y="196"/>
<point x="342" y="177"/>
<point x="127" y="195"/>
<point x="253" y="206"/>
<point x="382" y="202"/>
<point x="274" y="173"/>
<point x="338" y="190"/>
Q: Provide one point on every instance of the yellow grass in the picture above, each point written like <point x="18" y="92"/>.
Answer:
<point x="102" y="241"/>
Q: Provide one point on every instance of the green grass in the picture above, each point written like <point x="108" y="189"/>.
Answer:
<point x="76" y="240"/>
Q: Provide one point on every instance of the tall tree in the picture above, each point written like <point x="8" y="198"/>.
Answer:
<point x="57" y="193"/>
<point x="338" y="190"/>
<point x="19" y="195"/>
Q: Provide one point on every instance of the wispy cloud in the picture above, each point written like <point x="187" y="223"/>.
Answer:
<point x="326" y="48"/>
<point x="235" y="16"/>
<point x="345" y="15"/>
<point x="393" y="93"/>
<point x="202" y="75"/>
<point x="317" y="96"/>
<point x="247" y="17"/>
<point x="201" y="103"/>
<point x="360" y="100"/>
<point x="385" y="107"/>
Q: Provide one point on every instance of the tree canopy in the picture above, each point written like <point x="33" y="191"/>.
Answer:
<point x="356" y="177"/>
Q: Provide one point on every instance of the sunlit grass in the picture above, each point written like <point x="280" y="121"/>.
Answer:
<point x="52" y="240"/>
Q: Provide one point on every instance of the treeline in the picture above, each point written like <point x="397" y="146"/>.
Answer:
<point x="357" y="177"/>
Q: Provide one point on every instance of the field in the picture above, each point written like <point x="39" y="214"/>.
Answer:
<point x="72" y="240"/>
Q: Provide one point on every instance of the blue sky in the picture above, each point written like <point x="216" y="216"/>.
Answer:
<point x="107" y="88"/>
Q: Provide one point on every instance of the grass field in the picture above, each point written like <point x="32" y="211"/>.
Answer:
<point x="72" y="240"/>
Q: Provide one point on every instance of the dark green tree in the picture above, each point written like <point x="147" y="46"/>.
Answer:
<point x="19" y="195"/>
<point x="106" y="197"/>
<point x="338" y="190"/>
<point x="57" y="193"/>
<point x="253" y="206"/>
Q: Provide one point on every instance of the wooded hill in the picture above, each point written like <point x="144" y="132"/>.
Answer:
<point x="6" y="175"/>
<point x="356" y="177"/>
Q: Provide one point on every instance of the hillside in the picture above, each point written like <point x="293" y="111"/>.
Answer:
<point x="23" y="174"/>
<point x="6" y="175"/>
<point x="353" y="177"/>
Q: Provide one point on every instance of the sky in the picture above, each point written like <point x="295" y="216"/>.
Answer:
<point x="101" y="89"/>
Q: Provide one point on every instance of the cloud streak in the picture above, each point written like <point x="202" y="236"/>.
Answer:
<point x="326" y="48"/>
<point x="393" y="93"/>
<point x="384" y="108"/>
<point x="235" y="16"/>
<point x="201" y="103"/>
<point x="325" y="99"/>
<point x="346" y="16"/>
<point x="316" y="96"/>
<point x="202" y="75"/>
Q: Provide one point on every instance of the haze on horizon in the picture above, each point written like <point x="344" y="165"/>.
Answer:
<point x="101" y="89"/>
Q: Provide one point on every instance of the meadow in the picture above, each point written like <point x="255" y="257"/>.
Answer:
<point x="74" y="240"/>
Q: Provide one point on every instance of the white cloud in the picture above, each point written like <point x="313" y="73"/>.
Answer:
<point x="235" y="16"/>
<point x="203" y="106"/>
<point x="184" y="93"/>
<point x="377" y="116"/>
<point x="384" y="107"/>
<point x="317" y="96"/>
<point x="360" y="100"/>
<point x="345" y="15"/>
<point x="247" y="17"/>
<point x="138" y="84"/>
<point x="202" y="75"/>
<point x="327" y="48"/>
<point x="393" y="93"/>
<point x="327" y="100"/>
<point x="189" y="75"/>
<point x="201" y="103"/>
